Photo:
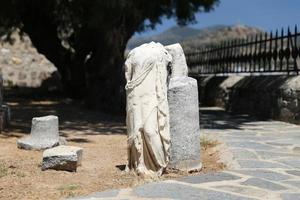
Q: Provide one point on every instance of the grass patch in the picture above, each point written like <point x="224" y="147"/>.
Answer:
<point x="18" y="174"/>
<point x="69" y="190"/>
<point x="3" y="170"/>
<point x="208" y="143"/>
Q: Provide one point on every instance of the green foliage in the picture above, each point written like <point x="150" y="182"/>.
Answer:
<point x="73" y="18"/>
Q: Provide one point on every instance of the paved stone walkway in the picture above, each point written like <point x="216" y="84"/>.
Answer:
<point x="263" y="159"/>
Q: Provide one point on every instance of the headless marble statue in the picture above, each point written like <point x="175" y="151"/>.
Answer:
<point x="147" y="109"/>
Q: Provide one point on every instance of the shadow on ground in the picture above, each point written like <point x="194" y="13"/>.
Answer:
<point x="217" y="118"/>
<point x="73" y="117"/>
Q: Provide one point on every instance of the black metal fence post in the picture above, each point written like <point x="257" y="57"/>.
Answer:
<point x="262" y="53"/>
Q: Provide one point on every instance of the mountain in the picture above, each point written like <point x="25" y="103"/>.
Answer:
<point x="191" y="38"/>
<point x="169" y="36"/>
<point x="213" y="36"/>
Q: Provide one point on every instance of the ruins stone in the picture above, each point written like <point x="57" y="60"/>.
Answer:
<point x="44" y="134"/>
<point x="184" y="124"/>
<point x="179" y="66"/>
<point x="147" y="109"/>
<point x="65" y="158"/>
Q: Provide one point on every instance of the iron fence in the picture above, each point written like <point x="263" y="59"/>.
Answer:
<point x="262" y="53"/>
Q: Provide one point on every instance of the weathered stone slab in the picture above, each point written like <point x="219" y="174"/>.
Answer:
<point x="244" y="190"/>
<point x="44" y="134"/>
<point x="205" y="178"/>
<point x="265" y="174"/>
<point x="260" y="183"/>
<point x="260" y="164"/>
<point x="293" y="183"/>
<point x="293" y="172"/>
<point x="296" y="149"/>
<point x="243" y="154"/>
<point x="184" y="124"/>
<point x="62" y="158"/>
<point x="290" y="196"/>
<point x="293" y="162"/>
<point x="273" y="155"/>
<point x="179" y="191"/>
<point x="250" y="145"/>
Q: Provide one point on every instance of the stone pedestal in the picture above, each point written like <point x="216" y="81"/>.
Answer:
<point x="44" y="134"/>
<point x="184" y="124"/>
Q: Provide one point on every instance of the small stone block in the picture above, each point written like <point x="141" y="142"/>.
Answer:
<point x="44" y="134"/>
<point x="65" y="158"/>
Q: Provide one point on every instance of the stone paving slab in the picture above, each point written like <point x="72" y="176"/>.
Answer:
<point x="290" y="196"/>
<point x="211" y="177"/>
<point x="294" y="172"/>
<point x="265" y="174"/>
<point x="243" y="153"/>
<point x="266" y="157"/>
<point x="244" y="190"/>
<point x="270" y="155"/>
<point x="259" y="164"/>
<point x="293" y="183"/>
<point x="260" y="183"/>
<point x="179" y="191"/>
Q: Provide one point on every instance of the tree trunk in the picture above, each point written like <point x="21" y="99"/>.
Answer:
<point x="71" y="67"/>
<point x="42" y="31"/>
<point x="104" y="73"/>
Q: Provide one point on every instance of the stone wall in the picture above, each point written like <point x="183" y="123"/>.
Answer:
<point x="22" y="66"/>
<point x="267" y="97"/>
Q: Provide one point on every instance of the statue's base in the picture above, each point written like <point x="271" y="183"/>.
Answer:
<point x="187" y="166"/>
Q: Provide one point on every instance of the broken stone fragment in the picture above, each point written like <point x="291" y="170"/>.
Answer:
<point x="44" y="134"/>
<point x="65" y="158"/>
<point x="179" y="65"/>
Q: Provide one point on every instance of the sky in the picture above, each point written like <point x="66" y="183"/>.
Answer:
<point x="265" y="14"/>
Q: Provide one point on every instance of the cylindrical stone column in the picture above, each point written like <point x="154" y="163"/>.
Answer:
<point x="184" y="124"/>
<point x="44" y="134"/>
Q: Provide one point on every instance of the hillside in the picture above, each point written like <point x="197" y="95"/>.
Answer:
<point x="211" y="36"/>
<point x="191" y="38"/>
<point x="169" y="36"/>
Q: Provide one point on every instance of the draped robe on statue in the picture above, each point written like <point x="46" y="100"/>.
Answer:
<point x="147" y="109"/>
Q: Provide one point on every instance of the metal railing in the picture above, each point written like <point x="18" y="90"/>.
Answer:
<point x="262" y="53"/>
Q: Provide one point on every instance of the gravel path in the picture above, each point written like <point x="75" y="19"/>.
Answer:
<point x="263" y="159"/>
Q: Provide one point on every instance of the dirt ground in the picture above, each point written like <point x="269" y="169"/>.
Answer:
<point x="102" y="137"/>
